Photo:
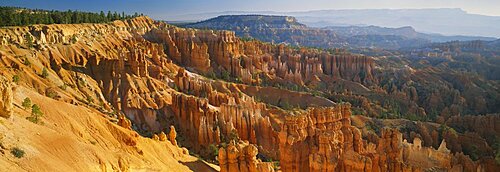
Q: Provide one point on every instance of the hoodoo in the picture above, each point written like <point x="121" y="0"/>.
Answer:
<point x="142" y="95"/>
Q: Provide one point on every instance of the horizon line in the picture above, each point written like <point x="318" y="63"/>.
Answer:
<point x="340" y="9"/>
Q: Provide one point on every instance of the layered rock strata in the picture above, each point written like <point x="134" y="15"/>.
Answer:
<point x="128" y="67"/>
<point x="221" y="50"/>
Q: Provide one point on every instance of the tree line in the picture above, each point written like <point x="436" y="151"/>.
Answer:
<point x="15" y="16"/>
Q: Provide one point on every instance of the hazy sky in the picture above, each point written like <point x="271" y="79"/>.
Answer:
<point x="162" y="9"/>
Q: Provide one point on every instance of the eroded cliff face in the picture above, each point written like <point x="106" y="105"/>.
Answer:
<point x="241" y="157"/>
<point x="150" y="77"/>
<point x="220" y="51"/>
<point x="324" y="140"/>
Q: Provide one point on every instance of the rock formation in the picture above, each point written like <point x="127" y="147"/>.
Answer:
<point x="172" y="135"/>
<point x="241" y="157"/>
<point x="6" y="96"/>
<point x="163" y="137"/>
<point x="154" y="74"/>
<point x="246" y="59"/>
<point x="124" y="122"/>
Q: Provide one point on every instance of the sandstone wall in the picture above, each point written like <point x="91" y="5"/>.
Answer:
<point x="241" y="157"/>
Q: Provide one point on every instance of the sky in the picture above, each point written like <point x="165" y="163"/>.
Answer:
<point x="163" y="9"/>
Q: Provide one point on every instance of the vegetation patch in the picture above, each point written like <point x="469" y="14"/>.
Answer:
<point x="36" y="114"/>
<point x="16" y="79"/>
<point x="26" y="103"/>
<point x="14" y="16"/>
<point x="17" y="152"/>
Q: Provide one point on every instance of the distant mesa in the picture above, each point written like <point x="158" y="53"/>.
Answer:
<point x="288" y="30"/>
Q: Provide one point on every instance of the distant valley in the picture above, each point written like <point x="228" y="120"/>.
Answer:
<point x="446" y="21"/>
<point x="287" y="29"/>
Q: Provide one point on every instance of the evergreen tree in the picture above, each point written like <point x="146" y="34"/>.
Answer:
<point x="29" y="41"/>
<point x="102" y="17"/>
<point x="116" y="16"/>
<point x="13" y="16"/>
<point x="75" y="18"/>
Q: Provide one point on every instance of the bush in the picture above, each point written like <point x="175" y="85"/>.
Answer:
<point x="233" y="135"/>
<point x="26" y="62"/>
<point x="51" y="93"/>
<point x="36" y="113"/>
<point x="81" y="83"/>
<point x="35" y="109"/>
<point x="225" y="75"/>
<point x="214" y="151"/>
<point x="45" y="73"/>
<point x="73" y="39"/>
<point x="63" y="87"/>
<point x="285" y="105"/>
<point x="26" y="103"/>
<point x="29" y="41"/>
<point x="90" y="99"/>
<point x="211" y="75"/>
<point x="18" y="153"/>
<point x="276" y="165"/>
<point x="15" y="78"/>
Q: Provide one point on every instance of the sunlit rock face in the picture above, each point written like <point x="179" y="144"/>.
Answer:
<point x="6" y="97"/>
<point x="241" y="157"/>
<point x="154" y="78"/>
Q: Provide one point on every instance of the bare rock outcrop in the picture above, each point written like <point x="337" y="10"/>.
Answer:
<point x="241" y="157"/>
<point x="6" y="97"/>
<point x="172" y="135"/>
<point x="124" y="122"/>
<point x="201" y="49"/>
<point x="318" y="139"/>
<point x="163" y="137"/>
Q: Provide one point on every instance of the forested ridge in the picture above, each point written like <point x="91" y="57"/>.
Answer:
<point x="16" y="16"/>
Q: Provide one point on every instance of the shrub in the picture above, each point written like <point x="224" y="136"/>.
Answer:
<point x="35" y="109"/>
<point x="211" y="75"/>
<point x="225" y="75"/>
<point x="276" y="165"/>
<point x="233" y="135"/>
<point x="15" y="78"/>
<point x="444" y="128"/>
<point x="90" y="99"/>
<point x="81" y="83"/>
<point x="36" y="113"/>
<point x="45" y="73"/>
<point x="18" y="153"/>
<point x="33" y="119"/>
<point x="214" y="151"/>
<point x="285" y="105"/>
<point x="26" y="62"/>
<point x="51" y="93"/>
<point x="26" y="103"/>
<point x="74" y="39"/>
<point x="29" y="41"/>
<point x="63" y="87"/>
